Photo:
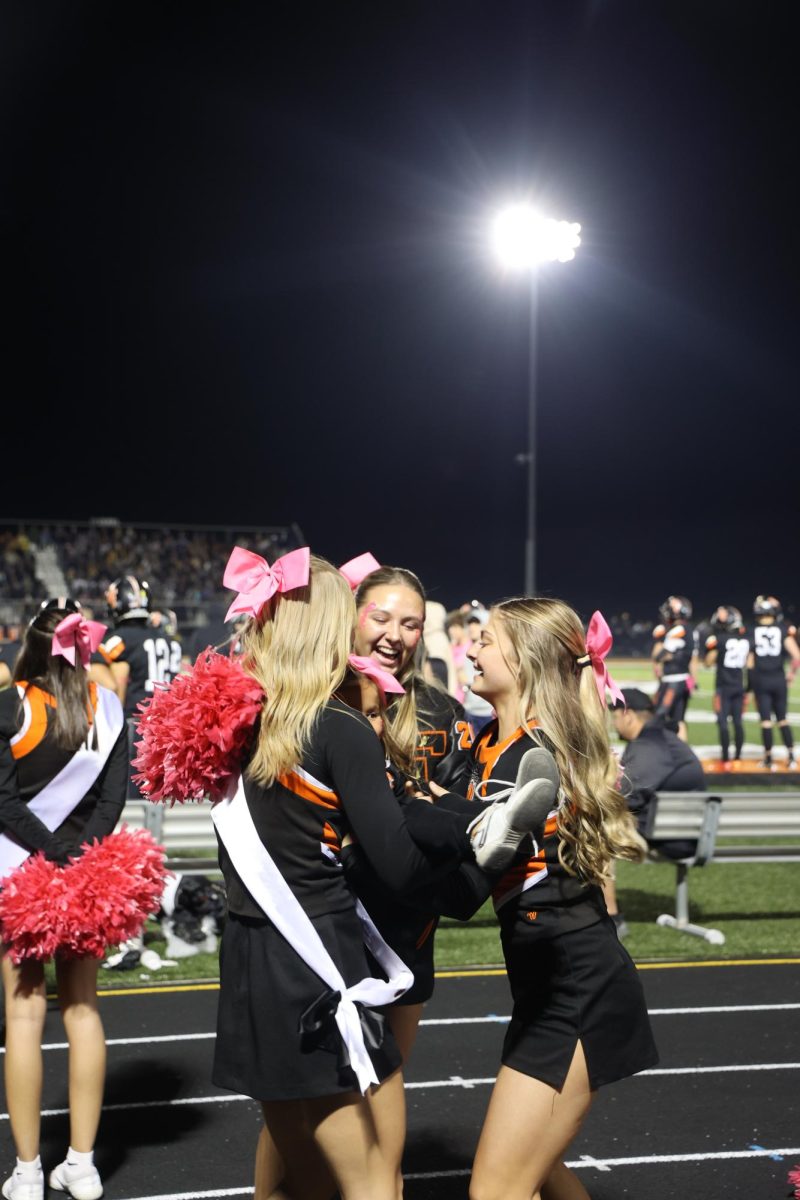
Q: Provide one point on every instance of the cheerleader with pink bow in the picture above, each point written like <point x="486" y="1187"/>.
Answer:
<point x="69" y="885"/>
<point x="579" y="1018"/>
<point x="294" y="773"/>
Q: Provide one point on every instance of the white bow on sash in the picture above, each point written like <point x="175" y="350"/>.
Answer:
<point x="53" y="804"/>
<point x="269" y="889"/>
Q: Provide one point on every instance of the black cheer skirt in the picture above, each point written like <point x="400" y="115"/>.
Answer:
<point x="265" y="989"/>
<point x="580" y="985"/>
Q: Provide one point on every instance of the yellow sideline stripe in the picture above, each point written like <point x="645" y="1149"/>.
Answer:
<point x="478" y="972"/>
<point x="665" y="966"/>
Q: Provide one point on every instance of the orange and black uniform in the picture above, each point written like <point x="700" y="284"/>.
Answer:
<point x="152" y="658"/>
<point x="732" y="649"/>
<point x="30" y="759"/>
<point x="570" y="977"/>
<point x="676" y="644"/>
<point x="409" y="924"/>
<point x="445" y="739"/>
<point x="768" y="674"/>
<point x="340" y="787"/>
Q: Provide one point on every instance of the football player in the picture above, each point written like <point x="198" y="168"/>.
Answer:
<point x="675" y="657"/>
<point x="773" y="640"/>
<point x="140" y="656"/>
<point x="728" y="648"/>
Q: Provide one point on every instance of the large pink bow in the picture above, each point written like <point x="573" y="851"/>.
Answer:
<point x="75" y="633"/>
<point x="256" y="581"/>
<point x="357" y="569"/>
<point x="598" y="644"/>
<point x="368" y="667"/>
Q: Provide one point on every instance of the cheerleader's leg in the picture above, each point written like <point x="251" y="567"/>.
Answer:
<point x="26" y="1009"/>
<point x="76" y="980"/>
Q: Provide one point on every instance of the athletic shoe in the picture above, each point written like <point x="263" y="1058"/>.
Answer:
<point x="506" y="824"/>
<point x="79" y="1180"/>
<point x="23" y="1186"/>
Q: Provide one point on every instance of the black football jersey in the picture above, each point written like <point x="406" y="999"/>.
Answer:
<point x="153" y="659"/>
<point x="732" y="651"/>
<point x="677" y="645"/>
<point x="768" y="647"/>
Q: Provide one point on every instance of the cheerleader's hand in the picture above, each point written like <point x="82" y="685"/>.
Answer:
<point x="59" y="851"/>
<point x="414" y="791"/>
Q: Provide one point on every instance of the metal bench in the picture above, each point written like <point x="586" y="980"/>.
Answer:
<point x="707" y="817"/>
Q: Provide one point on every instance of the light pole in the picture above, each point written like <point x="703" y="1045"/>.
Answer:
<point x="523" y="239"/>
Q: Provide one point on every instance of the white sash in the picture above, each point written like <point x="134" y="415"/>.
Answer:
<point x="269" y="889"/>
<point x="64" y="792"/>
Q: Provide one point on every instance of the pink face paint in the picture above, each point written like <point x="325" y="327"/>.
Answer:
<point x="365" y="613"/>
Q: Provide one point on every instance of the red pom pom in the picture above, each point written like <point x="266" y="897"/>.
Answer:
<point x="98" y="900"/>
<point x="794" y="1180"/>
<point x="195" y="733"/>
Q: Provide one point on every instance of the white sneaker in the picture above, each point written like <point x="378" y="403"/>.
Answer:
<point x="77" y="1180"/>
<point x="21" y="1186"/>
<point x="497" y="837"/>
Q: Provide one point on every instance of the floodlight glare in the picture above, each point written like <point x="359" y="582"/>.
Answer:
<point x="522" y="238"/>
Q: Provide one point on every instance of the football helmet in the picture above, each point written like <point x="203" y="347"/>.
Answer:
<point x="726" y="619"/>
<point x="676" y="608"/>
<point x="127" y="597"/>
<point x="767" y="606"/>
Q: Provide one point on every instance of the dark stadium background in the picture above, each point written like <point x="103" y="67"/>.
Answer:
<point x="247" y="282"/>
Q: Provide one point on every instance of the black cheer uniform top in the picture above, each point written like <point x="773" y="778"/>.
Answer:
<point x="30" y="759"/>
<point x="535" y="890"/>
<point x="339" y="787"/>
<point x="443" y="749"/>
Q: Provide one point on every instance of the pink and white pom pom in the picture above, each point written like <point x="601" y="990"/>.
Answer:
<point x="98" y="900"/>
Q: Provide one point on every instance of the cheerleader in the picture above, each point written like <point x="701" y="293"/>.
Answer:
<point x="300" y="1026"/>
<point x="579" y="1018"/>
<point x="63" y="775"/>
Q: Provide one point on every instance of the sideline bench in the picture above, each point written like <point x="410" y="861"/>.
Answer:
<point x="706" y="816"/>
<point x="181" y="829"/>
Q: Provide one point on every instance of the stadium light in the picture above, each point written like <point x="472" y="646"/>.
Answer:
<point x="522" y="239"/>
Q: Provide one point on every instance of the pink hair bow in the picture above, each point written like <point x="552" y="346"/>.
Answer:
<point x="368" y="667"/>
<point x="256" y="581"/>
<point x="75" y="633"/>
<point x="356" y="569"/>
<point x="598" y="644"/>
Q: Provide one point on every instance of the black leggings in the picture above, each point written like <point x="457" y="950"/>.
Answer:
<point x="729" y="706"/>
<point x="772" y="699"/>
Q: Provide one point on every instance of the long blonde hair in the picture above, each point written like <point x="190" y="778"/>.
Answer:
<point x="403" y="717"/>
<point x="297" y="650"/>
<point x="595" y="825"/>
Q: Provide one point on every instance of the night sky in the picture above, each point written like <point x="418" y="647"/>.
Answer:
<point x="249" y="281"/>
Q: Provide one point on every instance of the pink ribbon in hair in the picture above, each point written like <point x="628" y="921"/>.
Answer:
<point x="356" y="569"/>
<point x="368" y="667"/>
<point x="256" y="581"/>
<point x="598" y="644"/>
<point x="76" y="634"/>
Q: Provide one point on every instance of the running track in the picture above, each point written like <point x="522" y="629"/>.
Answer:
<point x="717" y="1119"/>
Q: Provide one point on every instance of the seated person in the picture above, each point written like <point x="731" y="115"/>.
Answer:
<point x="654" y="760"/>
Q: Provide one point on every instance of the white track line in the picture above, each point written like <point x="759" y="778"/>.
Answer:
<point x="491" y="1019"/>
<point x="455" y="1081"/>
<point x="585" y="1161"/>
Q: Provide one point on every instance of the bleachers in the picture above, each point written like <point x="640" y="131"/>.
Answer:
<point x="183" y="563"/>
